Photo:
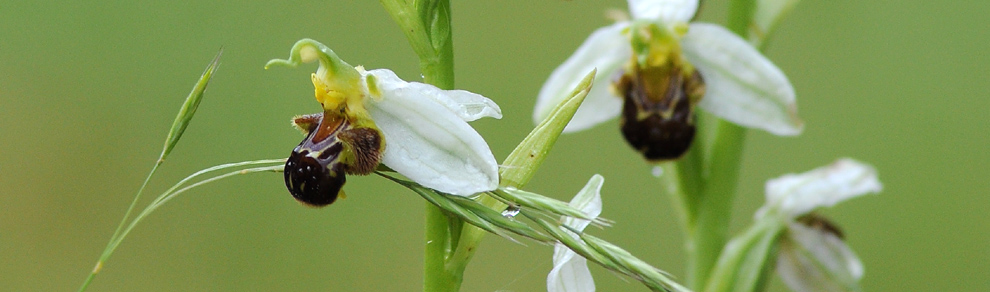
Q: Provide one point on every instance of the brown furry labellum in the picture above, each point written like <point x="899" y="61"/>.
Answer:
<point x="658" y="110"/>
<point x="315" y="171"/>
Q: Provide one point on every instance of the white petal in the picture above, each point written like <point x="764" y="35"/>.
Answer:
<point x="798" y="194"/>
<point x="588" y="200"/>
<point x="429" y="142"/>
<point x="669" y="11"/>
<point x="467" y="105"/>
<point x="570" y="272"/>
<point x="606" y="49"/>
<point x="814" y="260"/>
<point x="742" y="85"/>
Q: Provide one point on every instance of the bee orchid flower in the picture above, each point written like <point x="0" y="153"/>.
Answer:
<point x="371" y="117"/>
<point x="656" y="68"/>
<point x="812" y="254"/>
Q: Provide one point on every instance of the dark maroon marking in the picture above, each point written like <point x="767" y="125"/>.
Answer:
<point x="647" y="96"/>
<point x="310" y="181"/>
<point x="317" y="181"/>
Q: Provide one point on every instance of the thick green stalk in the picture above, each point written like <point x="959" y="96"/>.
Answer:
<point x="709" y="232"/>
<point x="717" y="161"/>
<point x="438" y="69"/>
<point x="441" y="230"/>
<point x="741" y="16"/>
<point x="436" y="274"/>
<point x="427" y="27"/>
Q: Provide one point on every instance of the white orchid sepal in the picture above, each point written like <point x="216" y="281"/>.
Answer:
<point x="815" y="259"/>
<point x="429" y="140"/>
<point x="795" y="195"/>
<point x="425" y="131"/>
<point x="666" y="10"/>
<point x="570" y="271"/>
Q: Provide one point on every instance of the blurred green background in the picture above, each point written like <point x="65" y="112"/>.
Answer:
<point x="89" y="90"/>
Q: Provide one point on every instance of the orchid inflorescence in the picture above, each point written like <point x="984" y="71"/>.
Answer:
<point x="656" y="72"/>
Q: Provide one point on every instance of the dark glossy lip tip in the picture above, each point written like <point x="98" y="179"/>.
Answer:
<point x="657" y="112"/>
<point x="316" y="170"/>
<point x="310" y="181"/>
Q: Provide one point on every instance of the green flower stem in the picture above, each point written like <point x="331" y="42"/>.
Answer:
<point x="442" y="231"/>
<point x="705" y="182"/>
<point x="436" y="274"/>
<point x="427" y="27"/>
<point x="709" y="224"/>
<point x="681" y="180"/>
<point x="741" y="16"/>
<point x="426" y="24"/>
